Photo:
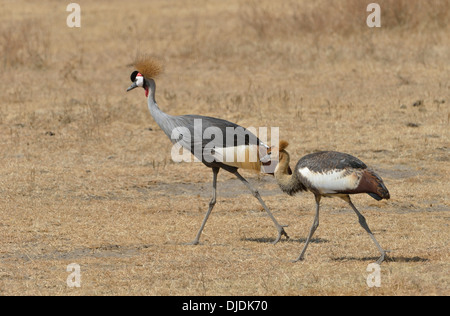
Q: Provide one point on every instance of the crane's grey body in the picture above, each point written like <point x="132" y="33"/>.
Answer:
<point x="189" y="132"/>
<point x="190" y="136"/>
<point x="224" y="133"/>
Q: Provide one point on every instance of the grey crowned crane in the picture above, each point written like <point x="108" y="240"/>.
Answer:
<point x="330" y="174"/>
<point x="219" y="152"/>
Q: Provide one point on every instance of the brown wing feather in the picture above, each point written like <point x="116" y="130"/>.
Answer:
<point x="371" y="184"/>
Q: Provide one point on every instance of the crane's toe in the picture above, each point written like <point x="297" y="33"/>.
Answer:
<point x="281" y="232"/>
<point x="298" y="259"/>
<point x="192" y="243"/>
<point x="383" y="257"/>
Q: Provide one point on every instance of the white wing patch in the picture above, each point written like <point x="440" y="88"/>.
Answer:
<point x="243" y="153"/>
<point x="332" y="181"/>
<point x="243" y="156"/>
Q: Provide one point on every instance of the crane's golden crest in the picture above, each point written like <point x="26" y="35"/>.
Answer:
<point x="283" y="145"/>
<point x="148" y="66"/>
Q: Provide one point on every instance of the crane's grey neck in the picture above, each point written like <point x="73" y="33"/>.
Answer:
<point x="161" y="118"/>
<point x="150" y="83"/>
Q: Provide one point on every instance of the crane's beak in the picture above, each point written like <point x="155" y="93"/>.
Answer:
<point x="133" y="85"/>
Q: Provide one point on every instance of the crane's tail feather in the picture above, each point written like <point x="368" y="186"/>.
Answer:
<point x="377" y="188"/>
<point x="375" y="196"/>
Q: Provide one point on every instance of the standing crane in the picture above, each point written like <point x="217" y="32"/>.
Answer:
<point x="214" y="153"/>
<point x="330" y="174"/>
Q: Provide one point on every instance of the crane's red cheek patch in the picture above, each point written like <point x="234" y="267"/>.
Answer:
<point x="146" y="92"/>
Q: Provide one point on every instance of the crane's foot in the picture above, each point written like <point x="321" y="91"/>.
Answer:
<point x="298" y="259"/>
<point x="192" y="243"/>
<point x="281" y="232"/>
<point x="383" y="257"/>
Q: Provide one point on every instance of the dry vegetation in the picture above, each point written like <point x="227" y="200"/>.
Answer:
<point x="86" y="175"/>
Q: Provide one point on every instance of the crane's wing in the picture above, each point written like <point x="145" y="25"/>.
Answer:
<point x="331" y="172"/>
<point x="330" y="160"/>
<point x="211" y="139"/>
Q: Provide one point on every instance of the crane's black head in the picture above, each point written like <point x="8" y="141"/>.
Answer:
<point x="138" y="81"/>
<point x="133" y="75"/>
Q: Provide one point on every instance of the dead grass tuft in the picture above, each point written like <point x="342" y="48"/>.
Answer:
<point x="26" y="43"/>
<point x="344" y="18"/>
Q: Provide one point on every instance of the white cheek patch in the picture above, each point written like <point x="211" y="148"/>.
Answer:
<point x="139" y="80"/>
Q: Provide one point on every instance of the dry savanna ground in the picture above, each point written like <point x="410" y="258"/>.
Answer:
<point x="86" y="175"/>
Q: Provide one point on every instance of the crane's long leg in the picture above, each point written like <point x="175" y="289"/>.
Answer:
<point x="280" y="228"/>
<point x="312" y="230"/>
<point x="363" y="223"/>
<point x="211" y="206"/>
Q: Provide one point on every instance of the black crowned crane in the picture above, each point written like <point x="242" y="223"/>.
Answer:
<point x="216" y="153"/>
<point x="330" y="174"/>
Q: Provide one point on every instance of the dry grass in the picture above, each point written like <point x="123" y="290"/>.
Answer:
<point x="25" y="43"/>
<point x="86" y="174"/>
<point x="268" y="19"/>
